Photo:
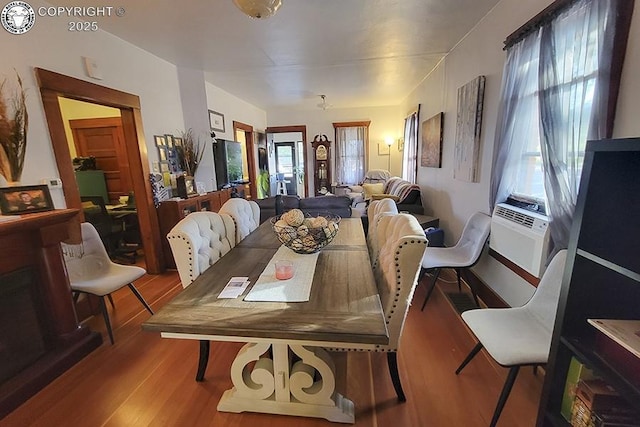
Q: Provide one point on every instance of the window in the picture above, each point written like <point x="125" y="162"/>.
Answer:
<point x="352" y="141"/>
<point x="410" y="152"/>
<point x="559" y="89"/>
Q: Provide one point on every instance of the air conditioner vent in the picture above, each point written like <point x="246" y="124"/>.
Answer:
<point x="513" y="216"/>
<point x="521" y="237"/>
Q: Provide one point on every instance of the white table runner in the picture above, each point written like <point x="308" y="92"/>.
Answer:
<point x="296" y="289"/>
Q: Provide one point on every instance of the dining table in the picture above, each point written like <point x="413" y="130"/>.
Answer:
<point x="284" y="367"/>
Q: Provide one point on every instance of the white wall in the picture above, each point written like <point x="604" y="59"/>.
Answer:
<point x="124" y="67"/>
<point x="196" y="117"/>
<point x="480" y="53"/>
<point x="234" y="109"/>
<point x="385" y="121"/>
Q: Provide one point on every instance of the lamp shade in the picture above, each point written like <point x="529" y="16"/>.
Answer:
<point x="258" y="8"/>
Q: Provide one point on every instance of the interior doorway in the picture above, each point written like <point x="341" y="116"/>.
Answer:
<point x="286" y="166"/>
<point x="290" y="143"/>
<point x="52" y="87"/>
<point x="243" y="133"/>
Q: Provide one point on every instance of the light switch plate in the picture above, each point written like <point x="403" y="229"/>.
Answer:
<point x="52" y="182"/>
<point x="91" y="67"/>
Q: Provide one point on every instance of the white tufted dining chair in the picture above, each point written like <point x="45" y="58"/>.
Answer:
<point x="198" y="241"/>
<point x="377" y="209"/>
<point x="402" y="246"/>
<point x="245" y="214"/>
<point x="94" y="273"/>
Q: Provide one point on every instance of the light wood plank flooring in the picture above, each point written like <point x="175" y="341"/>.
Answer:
<point x="144" y="380"/>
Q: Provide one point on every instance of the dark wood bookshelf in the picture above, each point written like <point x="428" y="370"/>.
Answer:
<point x="602" y="274"/>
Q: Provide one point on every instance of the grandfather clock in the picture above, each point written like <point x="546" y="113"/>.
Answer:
<point x="321" y="164"/>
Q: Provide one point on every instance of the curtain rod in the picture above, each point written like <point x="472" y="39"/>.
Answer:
<point x="414" y="110"/>
<point x="542" y="18"/>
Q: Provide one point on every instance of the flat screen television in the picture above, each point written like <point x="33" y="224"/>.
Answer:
<point x="228" y="161"/>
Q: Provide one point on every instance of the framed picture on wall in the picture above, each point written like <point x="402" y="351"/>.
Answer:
<point x="170" y="142"/>
<point x="25" y="199"/>
<point x="383" y="149"/>
<point x="160" y="140"/>
<point x="432" y="141"/>
<point x="216" y="121"/>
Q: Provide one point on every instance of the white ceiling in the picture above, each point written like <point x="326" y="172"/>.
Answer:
<point x="356" y="52"/>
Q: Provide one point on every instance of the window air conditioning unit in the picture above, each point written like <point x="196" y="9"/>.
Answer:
<point x="520" y="236"/>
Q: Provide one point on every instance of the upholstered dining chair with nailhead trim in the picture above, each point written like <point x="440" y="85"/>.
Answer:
<point x="245" y="214"/>
<point x="377" y="209"/>
<point x="198" y="241"/>
<point x="402" y="245"/>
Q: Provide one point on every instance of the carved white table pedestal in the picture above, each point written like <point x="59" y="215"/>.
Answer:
<point x="278" y="385"/>
<point x="287" y="378"/>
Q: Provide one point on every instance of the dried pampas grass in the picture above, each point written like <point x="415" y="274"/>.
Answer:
<point x="14" y="123"/>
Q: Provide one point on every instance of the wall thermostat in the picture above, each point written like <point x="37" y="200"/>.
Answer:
<point x="52" y="182"/>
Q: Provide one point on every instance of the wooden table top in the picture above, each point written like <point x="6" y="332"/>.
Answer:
<point x="344" y="305"/>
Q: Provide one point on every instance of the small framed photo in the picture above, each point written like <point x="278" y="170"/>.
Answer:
<point x="177" y="141"/>
<point x="160" y="140"/>
<point x="170" y="141"/>
<point x="190" y="184"/>
<point x="216" y="121"/>
<point x="383" y="149"/>
<point x="25" y="199"/>
<point x="162" y="154"/>
<point x="164" y="167"/>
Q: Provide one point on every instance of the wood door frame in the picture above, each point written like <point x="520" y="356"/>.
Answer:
<point x="303" y="130"/>
<point x="53" y="85"/>
<point x="251" y="155"/>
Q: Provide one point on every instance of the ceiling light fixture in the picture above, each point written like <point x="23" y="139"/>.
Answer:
<point x="323" y="104"/>
<point x="258" y="9"/>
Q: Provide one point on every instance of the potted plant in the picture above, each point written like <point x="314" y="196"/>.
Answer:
<point x="14" y="123"/>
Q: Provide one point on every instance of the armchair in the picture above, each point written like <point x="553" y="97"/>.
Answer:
<point x="374" y="176"/>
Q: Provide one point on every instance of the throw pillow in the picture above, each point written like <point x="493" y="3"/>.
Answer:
<point x="371" y="189"/>
<point x="385" y="196"/>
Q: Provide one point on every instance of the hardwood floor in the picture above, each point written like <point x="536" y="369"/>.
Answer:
<point x="144" y="380"/>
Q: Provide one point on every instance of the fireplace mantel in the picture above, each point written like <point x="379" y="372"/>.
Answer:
<point x="32" y="243"/>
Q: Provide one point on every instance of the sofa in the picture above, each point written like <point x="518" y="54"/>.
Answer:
<point x="272" y="206"/>
<point x="406" y="195"/>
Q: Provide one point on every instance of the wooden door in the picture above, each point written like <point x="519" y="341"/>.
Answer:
<point x="104" y="139"/>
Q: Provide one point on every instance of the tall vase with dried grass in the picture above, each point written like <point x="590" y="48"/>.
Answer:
<point x="191" y="152"/>
<point x="14" y="123"/>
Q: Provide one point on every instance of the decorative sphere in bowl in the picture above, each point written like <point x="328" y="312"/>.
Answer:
<point x="304" y="233"/>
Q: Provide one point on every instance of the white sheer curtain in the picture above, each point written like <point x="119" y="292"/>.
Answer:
<point x="410" y="153"/>
<point x="556" y="94"/>
<point x="350" y="154"/>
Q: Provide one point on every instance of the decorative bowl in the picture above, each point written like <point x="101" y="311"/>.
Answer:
<point x="304" y="233"/>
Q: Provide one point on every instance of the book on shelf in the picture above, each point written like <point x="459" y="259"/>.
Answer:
<point x="577" y="371"/>
<point x="597" y="395"/>
<point x="597" y="404"/>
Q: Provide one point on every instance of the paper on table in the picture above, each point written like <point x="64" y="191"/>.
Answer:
<point x="296" y="289"/>
<point x="234" y="288"/>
